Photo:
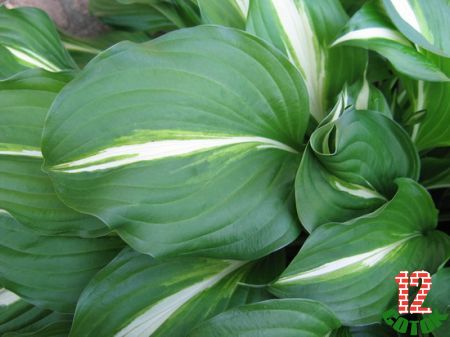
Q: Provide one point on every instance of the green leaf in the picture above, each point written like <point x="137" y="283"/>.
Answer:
<point x="30" y="35"/>
<point x="351" y="266"/>
<point x="369" y="28"/>
<point x="350" y="165"/>
<point x="130" y="16"/>
<point x="273" y="318"/>
<point x="83" y="49"/>
<point x="25" y="191"/>
<point x="155" y="298"/>
<point x="19" y="318"/>
<point x="152" y="16"/>
<point x="425" y="22"/>
<point x="194" y="152"/>
<point x="373" y="330"/>
<point x="435" y="172"/>
<point x="438" y="299"/>
<point x="254" y="284"/>
<point x="49" y="271"/>
<point x="54" y="329"/>
<point x="230" y="13"/>
<point x="304" y="30"/>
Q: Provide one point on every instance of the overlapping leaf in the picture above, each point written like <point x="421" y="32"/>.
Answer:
<point x="152" y="16"/>
<point x="155" y="298"/>
<point x="30" y="35"/>
<point x="49" y="271"/>
<point x="19" y="318"/>
<point x="273" y="318"/>
<point x="432" y="99"/>
<point x="425" y="22"/>
<point x="359" y="259"/>
<point x="194" y="153"/>
<point x="304" y="30"/>
<point x="350" y="166"/>
<point x="26" y="191"/>
<point x="370" y="28"/>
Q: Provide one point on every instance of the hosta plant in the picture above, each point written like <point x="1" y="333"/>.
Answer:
<point x="223" y="168"/>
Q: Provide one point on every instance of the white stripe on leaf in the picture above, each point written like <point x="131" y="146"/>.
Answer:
<point x="406" y="12"/>
<point x="358" y="191"/>
<point x="7" y="297"/>
<point x="303" y="50"/>
<point x="33" y="59"/>
<point x="22" y="153"/>
<point x="150" y="321"/>
<point x="362" y="101"/>
<point x="243" y="6"/>
<point x="129" y="154"/>
<point x="373" y="33"/>
<point x="358" y="262"/>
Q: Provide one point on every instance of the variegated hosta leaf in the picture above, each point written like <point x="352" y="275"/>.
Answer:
<point x="8" y="63"/>
<point x="433" y="98"/>
<point x="25" y="190"/>
<point x="49" y="271"/>
<point x="358" y="259"/>
<point x="370" y="28"/>
<point x="230" y="13"/>
<point x="425" y="22"/>
<point x="273" y="318"/>
<point x="19" y="318"/>
<point x="303" y="30"/>
<point x="30" y="35"/>
<point x="147" y="297"/>
<point x="350" y="165"/>
<point x="193" y="153"/>
<point x="438" y="299"/>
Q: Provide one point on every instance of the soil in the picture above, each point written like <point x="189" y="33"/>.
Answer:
<point x="71" y="16"/>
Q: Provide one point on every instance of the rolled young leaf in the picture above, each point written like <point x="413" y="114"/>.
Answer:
<point x="370" y="28"/>
<point x="30" y="35"/>
<point x="425" y="22"/>
<point x="303" y="30"/>
<point x="147" y="297"/>
<point x="19" y="318"/>
<point x="432" y="98"/>
<point x="273" y="318"/>
<point x="194" y="153"/>
<point x="50" y="271"/>
<point x="360" y="258"/>
<point x="365" y="96"/>
<point x="350" y="165"/>
<point x="25" y="190"/>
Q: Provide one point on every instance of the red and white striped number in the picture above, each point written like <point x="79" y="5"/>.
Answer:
<point x="403" y="282"/>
